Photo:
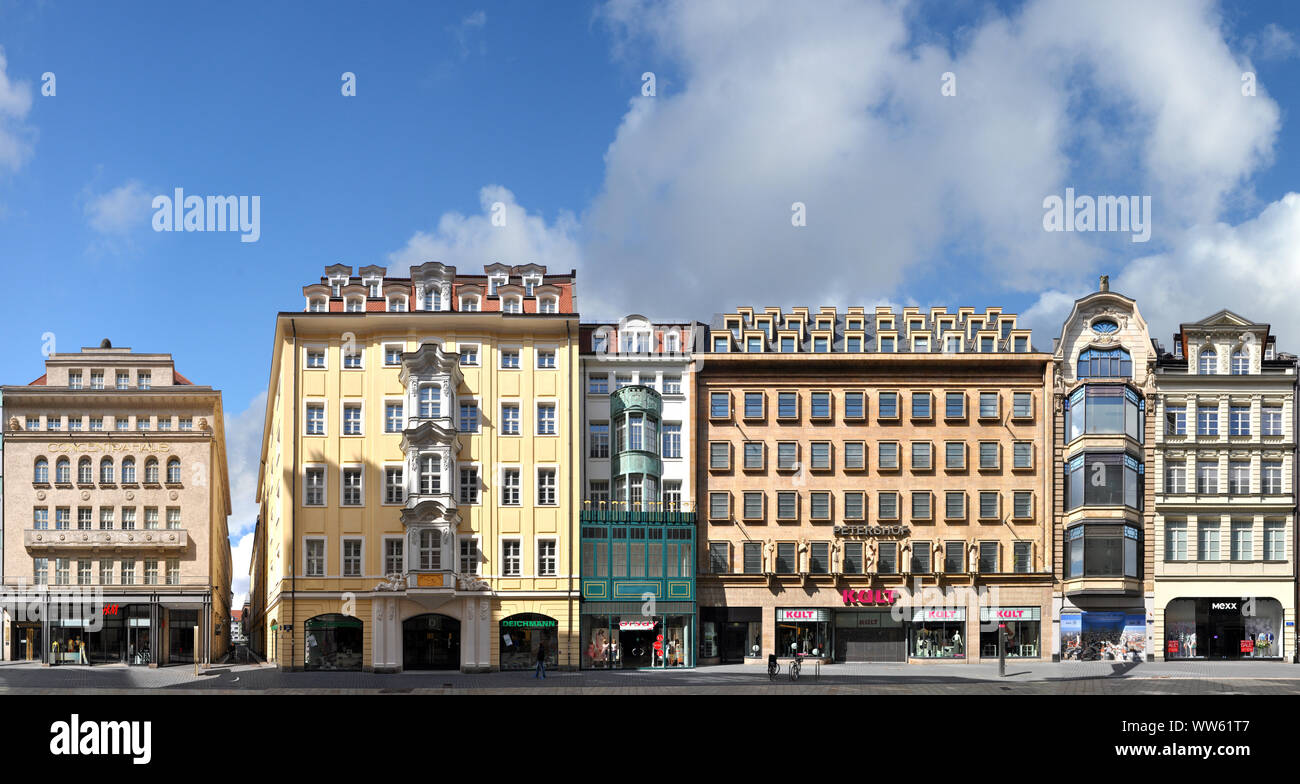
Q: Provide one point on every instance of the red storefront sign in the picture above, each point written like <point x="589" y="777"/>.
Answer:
<point x="1171" y="646"/>
<point x="1247" y="646"/>
<point x="878" y="596"/>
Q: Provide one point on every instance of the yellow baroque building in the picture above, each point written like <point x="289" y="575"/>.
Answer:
<point x="419" y="477"/>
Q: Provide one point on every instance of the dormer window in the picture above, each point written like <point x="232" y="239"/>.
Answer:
<point x="672" y="343"/>
<point x="494" y="281"/>
<point x="335" y="288"/>
<point x="1178" y="349"/>
<point x="530" y="283"/>
<point x="317" y="305"/>
<point x="1268" y="351"/>
<point x="397" y="304"/>
<point x="953" y="345"/>
<point x="1240" y="363"/>
<point x="354" y="305"/>
<point x="1208" y="362"/>
<point x="512" y="305"/>
<point x="373" y="285"/>
<point x="433" y="300"/>
<point x="599" y="341"/>
<point x="548" y="305"/>
<point x="469" y="304"/>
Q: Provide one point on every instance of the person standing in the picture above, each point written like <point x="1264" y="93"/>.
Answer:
<point x="541" y="660"/>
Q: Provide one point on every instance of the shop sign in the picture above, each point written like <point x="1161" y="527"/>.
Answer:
<point x="1171" y="647"/>
<point x="1223" y="605"/>
<point x="636" y="626"/>
<point x="526" y="624"/>
<point x="989" y="614"/>
<point x="75" y="447"/>
<point x="872" y="530"/>
<point x="1247" y="646"/>
<point x="803" y="615"/>
<point x="878" y="596"/>
<point x="943" y="614"/>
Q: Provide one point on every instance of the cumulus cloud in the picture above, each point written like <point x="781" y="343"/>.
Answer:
<point x="504" y="232"/>
<point x="838" y="106"/>
<point x="241" y="553"/>
<point x="15" y="103"/>
<point x="119" y="211"/>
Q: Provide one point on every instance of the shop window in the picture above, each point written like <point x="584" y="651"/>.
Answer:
<point x="1108" y="409"/>
<point x="333" y="642"/>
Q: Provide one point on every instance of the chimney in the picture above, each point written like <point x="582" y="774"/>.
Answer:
<point x="1105" y="283"/>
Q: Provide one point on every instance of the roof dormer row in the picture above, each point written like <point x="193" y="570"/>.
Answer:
<point x="437" y="287"/>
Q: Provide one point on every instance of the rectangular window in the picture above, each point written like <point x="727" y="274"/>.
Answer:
<point x="921" y="505"/>
<point x="888" y="503"/>
<point x="510" y="419"/>
<point x="1022" y="557"/>
<point x="855" y="405"/>
<point x="787" y="405"/>
<point x="510" y="359"/>
<point x="719" y="506"/>
<point x="351" y="419"/>
<point x="468" y="355"/>
<point x="393" y="417"/>
<point x="753" y="502"/>
<point x="719" y="405"/>
<point x="672" y="440"/>
<point x="394" y="488"/>
<point x="1271" y="421"/>
<point x="887" y="562"/>
<point x="921" y="405"/>
<point x="821" y="405"/>
<point x="1022" y="406"/>
<point x="316" y="358"/>
<point x="150" y="572"/>
<point x="547" y="487"/>
<point x="1175" y="478"/>
<point x="1207" y="542"/>
<point x="1207" y="477"/>
<point x="854" y="505"/>
<point x="954" y="455"/>
<point x="546" y="424"/>
<point x="598" y="384"/>
<point x="394" y="557"/>
<point x="719" y="557"/>
<point x="546" y="359"/>
<point x="105" y="572"/>
<point x="1023" y="455"/>
<point x="989" y="504"/>
<point x="128" y="572"/>
<point x="820" y="455"/>
<point x="1271" y="478"/>
<point x="787" y="454"/>
<point x="313" y="489"/>
<point x="1238" y="420"/>
<point x="469" y="556"/>
<point x="511" y="558"/>
<point x="1176" y="540"/>
<point x="988" y="558"/>
<point x="1207" y="420"/>
<point x="819" y="506"/>
<point x="787" y="505"/>
<point x="1274" y="540"/>
<point x="920" y="557"/>
<point x="787" y="558"/>
<point x="888" y="405"/>
<point x="1243" y="541"/>
<point x="598" y="438"/>
<point x="547" y="558"/>
<point x="753" y="455"/>
<point x="315" y="419"/>
<point x="351" y="557"/>
<point x="1022" y="504"/>
<point x="672" y="385"/>
<point x="989" y="454"/>
<point x="97" y="379"/>
<point x="753" y="405"/>
<point x="1238" y="477"/>
<point x="852" y="561"/>
<point x="719" y="455"/>
<point x="819" y="557"/>
<point x="510" y="487"/>
<point x="753" y="557"/>
<point x="955" y="504"/>
<point x="921" y="456"/>
<point x="74" y="379"/>
<point x="954" y="557"/>
<point x="855" y="455"/>
<point x="1176" y="421"/>
<point x="954" y="406"/>
<point x="469" y="417"/>
<point x="173" y="518"/>
<point x="990" y="407"/>
<point x="84" y="571"/>
<point x="128" y="518"/>
<point x="468" y="485"/>
<point x="787" y="344"/>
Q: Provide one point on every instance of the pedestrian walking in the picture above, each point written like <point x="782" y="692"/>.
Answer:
<point x="541" y="660"/>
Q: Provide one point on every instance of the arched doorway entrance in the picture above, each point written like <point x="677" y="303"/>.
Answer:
<point x="431" y="642"/>
<point x="333" y="642"/>
<point x="520" y="636"/>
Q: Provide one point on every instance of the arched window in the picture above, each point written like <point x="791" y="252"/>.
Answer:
<point x="1240" y="363"/>
<point x="548" y="305"/>
<point x="469" y="304"/>
<point x="128" y="470"/>
<point x="151" y="471"/>
<point x="106" y="471"/>
<point x="85" y="473"/>
<point x="512" y="305"/>
<point x="318" y="305"/>
<point x="397" y="304"/>
<point x="433" y="299"/>
<point x="354" y="305"/>
<point x="1208" y="362"/>
<point x="42" y="474"/>
<point x="63" y="471"/>
<point x="1105" y="363"/>
<point x="174" y="471"/>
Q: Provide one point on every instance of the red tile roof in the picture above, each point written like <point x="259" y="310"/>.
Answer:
<point x="40" y="382"/>
<point x="181" y="379"/>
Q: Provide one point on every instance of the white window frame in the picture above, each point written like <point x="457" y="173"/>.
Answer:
<point x="383" y="482"/>
<point x="344" y="405"/>
<point x="389" y="345"/>
<point x="478" y="552"/>
<point x="306" y="556"/>
<point x="478" y="352"/>
<point x="501" y="485"/>
<point x="400" y="539"/>
<point x="401" y="423"/>
<point x="325" y="417"/>
<point x="343" y="550"/>
<point x="478" y="491"/>
<point x="504" y="349"/>
<point x="501" y="414"/>
<point x="470" y="299"/>
<point x="539" y="350"/>
<point x="538" y="542"/>
<point x="325" y="484"/>
<point x="554" y="406"/>
<point x="537" y="481"/>
<point x="307" y="348"/>
<point x="505" y="560"/>
<point x="361" y="468"/>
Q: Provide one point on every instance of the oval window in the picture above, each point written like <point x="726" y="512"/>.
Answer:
<point x="1104" y="327"/>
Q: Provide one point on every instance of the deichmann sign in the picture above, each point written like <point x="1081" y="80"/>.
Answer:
<point x="529" y="624"/>
<point x="872" y="530"/>
<point x="879" y="596"/>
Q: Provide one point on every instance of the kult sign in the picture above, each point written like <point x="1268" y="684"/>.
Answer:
<point x="878" y="596"/>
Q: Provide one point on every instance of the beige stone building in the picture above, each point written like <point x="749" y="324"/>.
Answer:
<point x="872" y="485"/>
<point x="115" y="513"/>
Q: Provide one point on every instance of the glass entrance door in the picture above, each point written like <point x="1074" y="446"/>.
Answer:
<point x="732" y="648"/>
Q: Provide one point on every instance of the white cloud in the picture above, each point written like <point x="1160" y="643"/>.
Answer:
<point x="1252" y="268"/>
<point x="243" y="462"/>
<point x="15" y="135"/>
<point x="240" y="555"/>
<point x="466" y="28"/>
<point x="472" y="241"/>
<point x="121" y="210"/>
<point x="837" y="105"/>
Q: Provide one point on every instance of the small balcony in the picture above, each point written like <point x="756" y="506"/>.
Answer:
<point x="58" y="540"/>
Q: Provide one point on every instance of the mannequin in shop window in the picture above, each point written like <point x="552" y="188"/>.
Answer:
<point x="956" y="643"/>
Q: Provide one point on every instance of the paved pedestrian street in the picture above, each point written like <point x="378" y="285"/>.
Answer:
<point x="1036" y="678"/>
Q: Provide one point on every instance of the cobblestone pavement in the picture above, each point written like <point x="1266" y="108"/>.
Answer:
<point x="1034" y="678"/>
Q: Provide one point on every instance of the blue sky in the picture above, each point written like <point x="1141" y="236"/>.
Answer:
<point x="676" y="205"/>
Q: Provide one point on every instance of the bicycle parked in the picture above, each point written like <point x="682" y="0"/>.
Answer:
<point x="774" y="668"/>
